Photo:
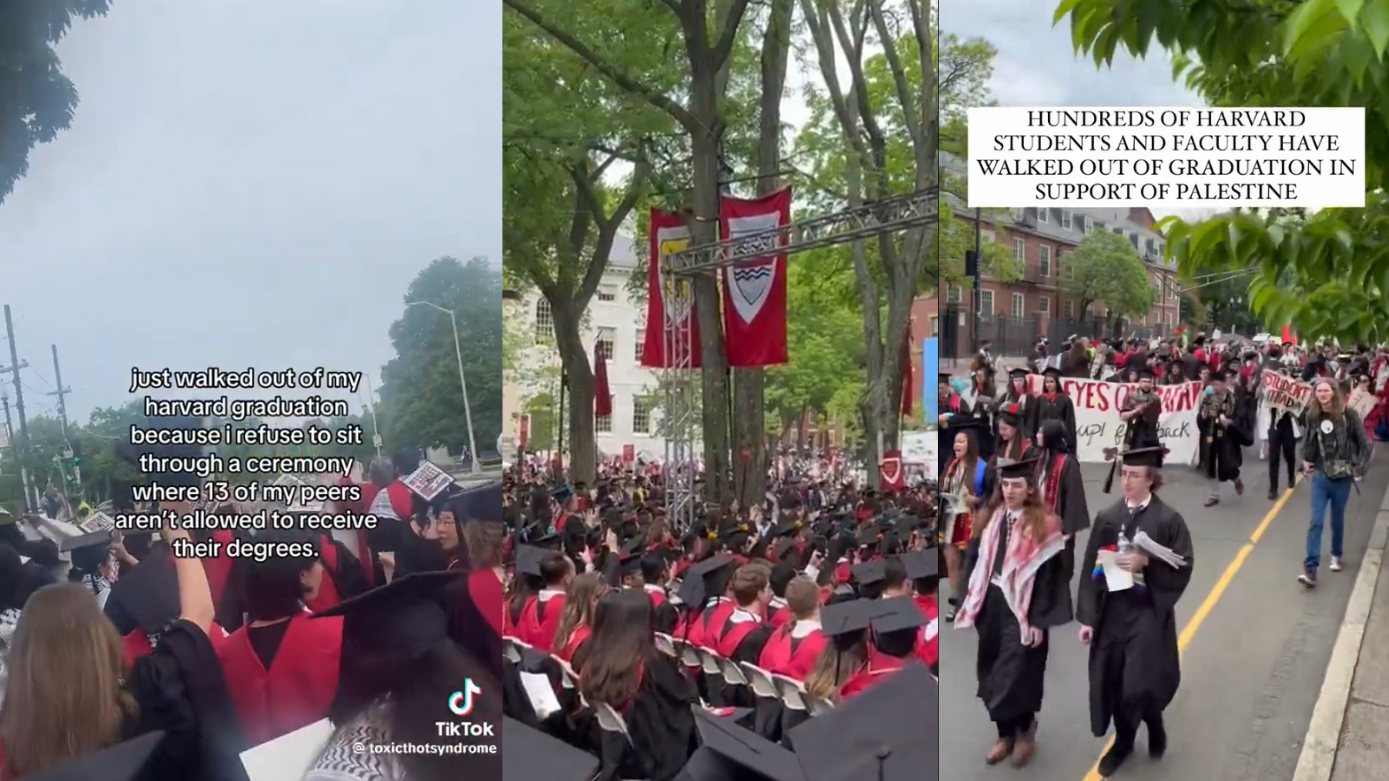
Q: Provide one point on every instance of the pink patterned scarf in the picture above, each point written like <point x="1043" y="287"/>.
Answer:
<point x="1021" y="562"/>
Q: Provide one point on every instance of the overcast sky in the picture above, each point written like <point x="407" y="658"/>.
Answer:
<point x="1037" y="66"/>
<point x="250" y="182"/>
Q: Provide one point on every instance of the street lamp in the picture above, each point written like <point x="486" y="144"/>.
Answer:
<point x="476" y="467"/>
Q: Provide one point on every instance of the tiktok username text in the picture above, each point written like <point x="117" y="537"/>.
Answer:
<point x="433" y="749"/>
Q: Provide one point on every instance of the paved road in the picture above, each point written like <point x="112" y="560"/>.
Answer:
<point x="1251" y="672"/>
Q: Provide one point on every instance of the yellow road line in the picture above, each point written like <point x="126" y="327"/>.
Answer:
<point x="1199" y="617"/>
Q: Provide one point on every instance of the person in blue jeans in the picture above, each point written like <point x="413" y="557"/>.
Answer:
<point x="1335" y="453"/>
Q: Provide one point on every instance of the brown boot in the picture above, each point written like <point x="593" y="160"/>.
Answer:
<point x="1001" y="751"/>
<point x="1027" y="746"/>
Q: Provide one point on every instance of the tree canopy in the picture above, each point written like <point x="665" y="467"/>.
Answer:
<point x="1106" y="267"/>
<point x="36" y="99"/>
<point x="1326" y="274"/>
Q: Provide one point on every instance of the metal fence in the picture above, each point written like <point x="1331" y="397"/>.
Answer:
<point x="1018" y="336"/>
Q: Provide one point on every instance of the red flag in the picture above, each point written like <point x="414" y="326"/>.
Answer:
<point x="671" y="303"/>
<point x="754" y="291"/>
<point x="602" y="394"/>
<point x="907" y="375"/>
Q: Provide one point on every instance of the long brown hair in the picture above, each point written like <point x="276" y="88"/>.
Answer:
<point x="834" y="667"/>
<point x="621" y="649"/>
<point x="970" y="461"/>
<point x="583" y="595"/>
<point x="1337" y="410"/>
<point x="485" y="541"/>
<point x="65" y="698"/>
<point x="1034" y="513"/>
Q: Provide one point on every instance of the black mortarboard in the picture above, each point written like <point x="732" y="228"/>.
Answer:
<point x="1018" y="371"/>
<point x="1011" y="415"/>
<point x="89" y="551"/>
<point x="629" y="560"/>
<point x="121" y="762"/>
<point x="1052" y="371"/>
<point x="1143" y="456"/>
<point x="561" y="493"/>
<point x="895" y="615"/>
<point x="480" y="504"/>
<point x="742" y="755"/>
<point x="705" y="579"/>
<point x="922" y="564"/>
<point x="783" y="547"/>
<point x="945" y="379"/>
<point x="957" y="425"/>
<point x="543" y="535"/>
<point x="147" y="595"/>
<point x="869" y="572"/>
<point x="1144" y="373"/>
<point x="868" y="535"/>
<point x="528" y="560"/>
<point x="887" y="732"/>
<point x="406" y="616"/>
<point x="845" y="617"/>
<point x="1013" y="470"/>
<point x="529" y="754"/>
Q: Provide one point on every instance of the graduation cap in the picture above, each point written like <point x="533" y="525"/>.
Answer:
<point x="1144" y="373"/>
<point x="1052" y="371"/>
<point x="89" y="551"/>
<point x="629" y="559"/>
<point x="1144" y="456"/>
<point x="886" y="733"/>
<point x="479" y="504"/>
<point x="528" y="559"/>
<point x="407" y="615"/>
<point x="843" y="619"/>
<point x="1011" y="415"/>
<point x="868" y="535"/>
<point x="897" y="614"/>
<point x="869" y="573"/>
<point x="561" y="493"/>
<point x="147" y="595"/>
<point x="1014" y="470"/>
<point x="1018" y="372"/>
<point x="783" y="547"/>
<point x="705" y="579"/>
<point x="945" y="379"/>
<point x="733" y="753"/>
<point x="121" y="762"/>
<point x="542" y="535"/>
<point x="922" y="564"/>
<point x="529" y="754"/>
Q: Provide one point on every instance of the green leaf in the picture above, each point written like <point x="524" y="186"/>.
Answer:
<point x="1350" y="9"/>
<point x="1375" y="21"/>
<point x="1304" y="20"/>
<point x="1064" y="8"/>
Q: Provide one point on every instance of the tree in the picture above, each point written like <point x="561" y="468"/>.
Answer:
<point x="1326" y="274"/>
<point x="36" y="99"/>
<point x="421" y="395"/>
<point x="871" y="138"/>
<point x="1106" y="267"/>
<point x="632" y="45"/>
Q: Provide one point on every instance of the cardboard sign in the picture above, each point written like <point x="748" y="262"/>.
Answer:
<point x="428" y="481"/>
<point x="98" y="522"/>
<point x="1284" y="394"/>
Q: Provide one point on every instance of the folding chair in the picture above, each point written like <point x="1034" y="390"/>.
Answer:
<point x="731" y="672"/>
<point x="666" y="645"/>
<point x="689" y="654"/>
<point x="792" y="693"/>
<point x="509" y="650"/>
<point x="568" y="678"/>
<point x="817" y="706"/>
<point x="709" y="661"/>
<point x="760" y="680"/>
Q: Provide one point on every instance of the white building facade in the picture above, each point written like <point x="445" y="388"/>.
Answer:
<point x="617" y="323"/>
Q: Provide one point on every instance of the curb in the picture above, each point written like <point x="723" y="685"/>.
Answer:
<point x="1318" y="757"/>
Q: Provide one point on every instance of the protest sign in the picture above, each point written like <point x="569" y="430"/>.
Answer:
<point x="1098" y="426"/>
<point x="1284" y="394"/>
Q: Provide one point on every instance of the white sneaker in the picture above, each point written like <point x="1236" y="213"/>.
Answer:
<point x="1335" y="563"/>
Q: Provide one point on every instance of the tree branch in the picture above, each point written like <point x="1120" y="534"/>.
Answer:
<point x="729" y="34"/>
<point x="626" y="82"/>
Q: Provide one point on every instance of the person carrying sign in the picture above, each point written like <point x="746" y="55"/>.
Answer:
<point x="1283" y="433"/>
<point x="1221" y="436"/>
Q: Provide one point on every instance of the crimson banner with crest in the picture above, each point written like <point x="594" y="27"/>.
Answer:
<point x="754" y="291"/>
<point x="669" y="302"/>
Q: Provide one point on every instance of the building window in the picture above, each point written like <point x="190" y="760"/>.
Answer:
<point x="1133" y="239"/>
<point x="1019" y="305"/>
<point x="1171" y="289"/>
<point x="607" y="293"/>
<point x="986" y="303"/>
<point x="1019" y="249"/>
<point x="953" y="294"/>
<point x="935" y="325"/>
<point x="1042" y="215"/>
<point x="606" y="338"/>
<point x="1089" y="224"/>
<point x="640" y="345"/>
<point x="1149" y="247"/>
<point x="603" y="424"/>
<point x="1044" y="305"/>
<point x="1066" y="221"/>
<point x="1070" y="310"/>
<point x="1044" y="260"/>
<point x="641" y="415"/>
<point x="1167" y="318"/>
<point x="1070" y="270"/>
<point x="544" y="322"/>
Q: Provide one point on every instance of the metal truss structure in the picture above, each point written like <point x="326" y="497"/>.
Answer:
<point x="681" y="379"/>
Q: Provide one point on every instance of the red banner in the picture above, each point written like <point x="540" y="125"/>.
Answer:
<point x="671" y="303"/>
<point x="754" y="291"/>
<point x="602" y="392"/>
<point x="629" y="453"/>
<point x="890" y="470"/>
<point x="523" y="432"/>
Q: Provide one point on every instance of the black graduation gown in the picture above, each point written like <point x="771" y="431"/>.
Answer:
<point x="1011" y="675"/>
<point x="666" y="617"/>
<point x="1221" y="446"/>
<point x="1059" y="407"/>
<point x="660" y="722"/>
<point x="1134" y="659"/>
<point x="1142" y="431"/>
<point x="1070" y="506"/>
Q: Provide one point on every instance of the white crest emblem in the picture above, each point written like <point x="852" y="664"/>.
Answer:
<point x="891" y="470"/>
<point x="750" y="284"/>
<point x="677" y="298"/>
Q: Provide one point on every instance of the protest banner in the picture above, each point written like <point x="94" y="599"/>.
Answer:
<point x="1098" y="425"/>
<point x="1284" y="394"/>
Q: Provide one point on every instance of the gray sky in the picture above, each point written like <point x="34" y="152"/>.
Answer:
<point x="250" y="182"/>
<point x="1037" y="66"/>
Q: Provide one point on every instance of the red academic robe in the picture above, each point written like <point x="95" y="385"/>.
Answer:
<point x="704" y="631"/>
<point x="731" y="635"/>
<point x="576" y="639"/>
<point x="778" y="615"/>
<point x="299" y="686"/>
<point x="540" y="619"/>
<point x="880" y="666"/>
<point x="791" y="656"/>
<point x="490" y="597"/>
<point x="218" y="568"/>
<point x="928" y="644"/>
<point x="327" y="596"/>
<point x="402" y="501"/>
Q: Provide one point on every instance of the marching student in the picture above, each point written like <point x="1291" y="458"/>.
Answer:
<point x="1222" y="436"/>
<point x="1336" y="454"/>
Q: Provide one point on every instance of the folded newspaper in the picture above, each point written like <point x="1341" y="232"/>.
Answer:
<point x="1158" y="550"/>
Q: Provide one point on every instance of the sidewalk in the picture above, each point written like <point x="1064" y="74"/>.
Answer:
<point x="1348" y="738"/>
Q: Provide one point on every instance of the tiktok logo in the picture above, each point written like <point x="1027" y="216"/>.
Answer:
<point x="461" y="701"/>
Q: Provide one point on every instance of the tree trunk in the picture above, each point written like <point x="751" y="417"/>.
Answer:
<point x="579" y="397"/>
<point x="749" y="404"/>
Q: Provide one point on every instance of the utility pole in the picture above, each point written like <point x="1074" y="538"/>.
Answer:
<point x="22" y="449"/>
<point x="61" y="393"/>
